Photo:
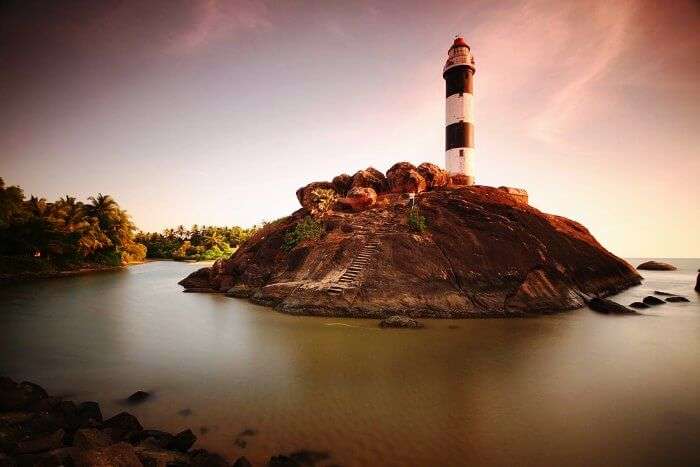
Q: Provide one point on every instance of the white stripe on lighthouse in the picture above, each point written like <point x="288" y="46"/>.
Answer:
<point x="460" y="160"/>
<point x="459" y="108"/>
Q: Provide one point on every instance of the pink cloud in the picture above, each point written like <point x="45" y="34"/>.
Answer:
<point x="218" y="20"/>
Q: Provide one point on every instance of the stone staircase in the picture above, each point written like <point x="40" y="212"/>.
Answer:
<point x="349" y="278"/>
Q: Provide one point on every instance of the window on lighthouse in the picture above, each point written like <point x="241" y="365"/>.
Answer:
<point x="461" y="153"/>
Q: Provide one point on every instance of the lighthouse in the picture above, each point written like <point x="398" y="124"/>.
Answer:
<point x="459" y="110"/>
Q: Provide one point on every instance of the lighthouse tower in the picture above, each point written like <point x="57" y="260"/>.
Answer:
<point x="459" y="112"/>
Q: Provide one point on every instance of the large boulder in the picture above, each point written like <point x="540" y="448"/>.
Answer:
<point x="90" y="438"/>
<point x="359" y="199"/>
<point x="370" y="178"/>
<point x="461" y="180"/>
<point x="656" y="266"/>
<point x="404" y="178"/>
<point x="434" y="176"/>
<point x="309" y="195"/>
<point x="342" y="184"/>
<point x="605" y="306"/>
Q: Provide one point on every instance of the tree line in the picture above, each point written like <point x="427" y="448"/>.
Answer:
<point x="66" y="232"/>
<point x="195" y="243"/>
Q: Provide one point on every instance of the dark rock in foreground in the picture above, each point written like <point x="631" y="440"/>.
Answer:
<point x="697" y="283"/>
<point x="398" y="321"/>
<point x="639" y="305"/>
<point x="483" y="254"/>
<point x="651" y="300"/>
<point x="656" y="266"/>
<point x="36" y="429"/>
<point x="677" y="299"/>
<point x="605" y="306"/>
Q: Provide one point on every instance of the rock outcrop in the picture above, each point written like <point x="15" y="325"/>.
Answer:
<point x="656" y="266"/>
<point x="404" y="178"/>
<point x="398" y="321"/>
<point x="482" y="253"/>
<point x="605" y="306"/>
<point x="359" y="199"/>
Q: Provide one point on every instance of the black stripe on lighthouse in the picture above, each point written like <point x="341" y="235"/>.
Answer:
<point x="459" y="79"/>
<point x="459" y="135"/>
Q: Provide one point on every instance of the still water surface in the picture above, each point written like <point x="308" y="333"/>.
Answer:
<point x="576" y="388"/>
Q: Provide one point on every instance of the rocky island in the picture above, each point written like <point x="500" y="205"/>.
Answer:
<point x="420" y="243"/>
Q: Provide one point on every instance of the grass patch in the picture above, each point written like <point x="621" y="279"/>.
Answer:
<point x="416" y="221"/>
<point x="307" y="229"/>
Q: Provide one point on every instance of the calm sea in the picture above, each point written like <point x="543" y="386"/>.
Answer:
<point x="576" y="388"/>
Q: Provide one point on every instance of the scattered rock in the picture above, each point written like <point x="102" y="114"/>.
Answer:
<point x="121" y="426"/>
<point x="309" y="458"/>
<point x="434" y="176"/>
<point x="639" y="305"/>
<point x="41" y="443"/>
<point x="656" y="266"/>
<point x="651" y="300"/>
<point x="282" y="461"/>
<point x="398" y="321"/>
<point x="116" y="455"/>
<point x="161" y="458"/>
<point x="677" y="299"/>
<point x="404" y="178"/>
<point x="183" y="441"/>
<point x="90" y="410"/>
<point x="138" y="397"/>
<point x="90" y="438"/>
<point x="359" y="199"/>
<point x="603" y="305"/>
<point x="664" y="294"/>
<point x="203" y="458"/>
<point x="242" y="462"/>
<point x="370" y="178"/>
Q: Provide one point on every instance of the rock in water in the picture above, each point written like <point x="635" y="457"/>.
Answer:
<point x="603" y="305"/>
<point x="651" y="300"/>
<point x="482" y="254"/>
<point x="656" y="266"/>
<point x="664" y="294"/>
<point x="639" y="305"/>
<point x="138" y="396"/>
<point x="677" y="299"/>
<point x="398" y="321"/>
<point x="697" y="283"/>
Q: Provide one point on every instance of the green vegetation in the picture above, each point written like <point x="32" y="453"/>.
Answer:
<point x="323" y="199"/>
<point x="198" y="243"/>
<point x="307" y="229"/>
<point x="40" y="236"/>
<point x="416" y="221"/>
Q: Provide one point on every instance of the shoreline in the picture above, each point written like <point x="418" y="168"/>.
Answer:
<point x="31" y="276"/>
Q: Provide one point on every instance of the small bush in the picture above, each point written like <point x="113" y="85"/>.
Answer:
<point x="307" y="229"/>
<point x="416" y="221"/>
<point x="323" y="198"/>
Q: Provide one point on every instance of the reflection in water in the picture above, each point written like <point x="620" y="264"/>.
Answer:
<point x="576" y="388"/>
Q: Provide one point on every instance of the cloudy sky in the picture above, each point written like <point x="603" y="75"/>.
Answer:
<point x="215" y="112"/>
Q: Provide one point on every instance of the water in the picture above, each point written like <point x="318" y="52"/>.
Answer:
<point x="576" y="388"/>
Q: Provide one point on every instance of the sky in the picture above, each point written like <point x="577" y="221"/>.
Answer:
<point x="214" y="112"/>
